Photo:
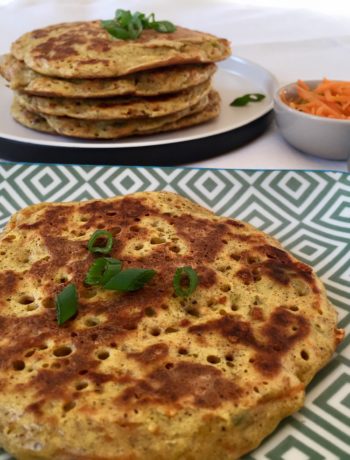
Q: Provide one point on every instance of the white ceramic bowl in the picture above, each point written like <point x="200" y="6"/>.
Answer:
<point x="320" y="136"/>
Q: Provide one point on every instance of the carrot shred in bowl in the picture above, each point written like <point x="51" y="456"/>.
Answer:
<point x="329" y="99"/>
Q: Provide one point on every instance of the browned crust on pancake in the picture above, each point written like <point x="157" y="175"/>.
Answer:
<point x="148" y="83"/>
<point x="280" y="332"/>
<point x="205" y="110"/>
<point x="152" y="375"/>
<point x="116" y="108"/>
<point x="86" y="50"/>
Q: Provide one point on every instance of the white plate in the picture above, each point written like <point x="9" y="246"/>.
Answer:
<point x="235" y="77"/>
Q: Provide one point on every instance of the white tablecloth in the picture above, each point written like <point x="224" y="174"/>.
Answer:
<point x="290" y="41"/>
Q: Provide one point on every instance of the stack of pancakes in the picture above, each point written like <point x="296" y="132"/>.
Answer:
<point x="75" y="79"/>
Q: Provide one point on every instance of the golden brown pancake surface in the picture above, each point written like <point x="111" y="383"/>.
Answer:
<point x="148" y="83"/>
<point x="121" y="107"/>
<point x="148" y="374"/>
<point x="86" y="50"/>
<point x="206" y="109"/>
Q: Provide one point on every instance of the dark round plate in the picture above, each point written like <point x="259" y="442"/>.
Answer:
<point x="153" y="155"/>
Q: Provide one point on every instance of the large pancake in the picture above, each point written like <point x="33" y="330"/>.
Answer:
<point x="86" y="50"/>
<point x="148" y="83"/>
<point x="116" y="108"/>
<point x="147" y="374"/>
<point x="206" y="109"/>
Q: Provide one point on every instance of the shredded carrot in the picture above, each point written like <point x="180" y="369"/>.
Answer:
<point x="329" y="99"/>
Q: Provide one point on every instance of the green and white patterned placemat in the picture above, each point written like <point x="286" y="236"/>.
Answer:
<point x="309" y="212"/>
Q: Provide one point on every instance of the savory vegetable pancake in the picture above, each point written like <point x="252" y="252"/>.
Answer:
<point x="148" y="83"/>
<point x="121" y="107"/>
<point x="206" y="109"/>
<point x="170" y="368"/>
<point x="129" y="67"/>
<point x="86" y="50"/>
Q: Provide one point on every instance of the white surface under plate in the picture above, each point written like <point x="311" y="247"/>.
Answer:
<point x="235" y="77"/>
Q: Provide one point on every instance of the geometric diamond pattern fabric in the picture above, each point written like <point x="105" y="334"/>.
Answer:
<point x="4" y="456"/>
<point x="309" y="212"/>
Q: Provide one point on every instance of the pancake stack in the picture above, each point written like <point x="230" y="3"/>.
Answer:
<point x="76" y="79"/>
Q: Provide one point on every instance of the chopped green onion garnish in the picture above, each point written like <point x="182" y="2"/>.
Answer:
<point x="66" y="304"/>
<point x="114" y="30"/>
<point x="164" y="27"/>
<point x="124" y="17"/>
<point x="191" y="277"/>
<point x="101" y="234"/>
<point x="95" y="272"/>
<point x="112" y="268"/>
<point x="244" y="100"/>
<point x="131" y="279"/>
<point x="102" y="270"/>
<point x="128" y="26"/>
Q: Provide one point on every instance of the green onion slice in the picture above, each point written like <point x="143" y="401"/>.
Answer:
<point x="66" y="304"/>
<point x="101" y="234"/>
<point x="244" y="100"/>
<point x="102" y="270"/>
<point x="123" y="17"/>
<point x="114" y="30"/>
<point x="182" y="273"/>
<point x="131" y="279"/>
<point x="164" y="27"/>
<point x="112" y="268"/>
<point x="128" y="26"/>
